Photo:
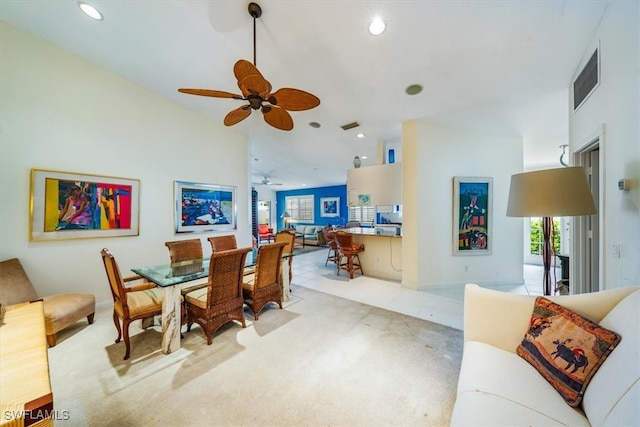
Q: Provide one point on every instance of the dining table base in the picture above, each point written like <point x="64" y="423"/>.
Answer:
<point x="286" y="286"/>
<point x="171" y="319"/>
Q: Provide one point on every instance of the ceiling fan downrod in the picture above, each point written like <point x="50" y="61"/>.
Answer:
<point x="256" y="12"/>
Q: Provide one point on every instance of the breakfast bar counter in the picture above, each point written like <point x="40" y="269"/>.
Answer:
<point x="382" y="256"/>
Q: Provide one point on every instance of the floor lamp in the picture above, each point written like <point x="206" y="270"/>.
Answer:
<point x="548" y="193"/>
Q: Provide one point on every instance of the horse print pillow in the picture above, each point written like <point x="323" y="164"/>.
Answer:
<point x="565" y="348"/>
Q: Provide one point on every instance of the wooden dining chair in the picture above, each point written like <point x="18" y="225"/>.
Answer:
<point x="348" y="253"/>
<point x="288" y="237"/>
<point x="140" y="301"/>
<point x="265" y="285"/>
<point x="186" y="250"/>
<point x="221" y="301"/>
<point x="223" y="243"/>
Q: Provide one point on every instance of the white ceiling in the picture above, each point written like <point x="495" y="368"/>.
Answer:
<point x="495" y="66"/>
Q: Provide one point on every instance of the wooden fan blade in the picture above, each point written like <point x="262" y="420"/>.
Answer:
<point x="244" y="68"/>
<point x="237" y="115"/>
<point x="256" y="84"/>
<point x="210" y="92"/>
<point x="277" y="117"/>
<point x="293" y="99"/>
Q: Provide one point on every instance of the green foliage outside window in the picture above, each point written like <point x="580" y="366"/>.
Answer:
<point x="537" y="238"/>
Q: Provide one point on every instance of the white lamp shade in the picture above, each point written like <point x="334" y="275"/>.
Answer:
<point x="551" y="192"/>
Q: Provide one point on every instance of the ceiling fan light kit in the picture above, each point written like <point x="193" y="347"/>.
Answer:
<point x="255" y="89"/>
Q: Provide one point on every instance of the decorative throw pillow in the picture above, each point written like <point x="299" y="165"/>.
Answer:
<point x="565" y="348"/>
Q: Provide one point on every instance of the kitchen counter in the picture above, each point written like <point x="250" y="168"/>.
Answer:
<point x="384" y="231"/>
<point x="382" y="256"/>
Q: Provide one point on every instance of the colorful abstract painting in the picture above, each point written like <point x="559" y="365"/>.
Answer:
<point x="204" y="207"/>
<point x="69" y="205"/>
<point x="472" y="215"/>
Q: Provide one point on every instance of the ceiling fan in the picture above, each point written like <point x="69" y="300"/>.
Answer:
<point x="267" y="181"/>
<point x="275" y="106"/>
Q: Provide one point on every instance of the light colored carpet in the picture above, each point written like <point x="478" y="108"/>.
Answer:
<point x="322" y="361"/>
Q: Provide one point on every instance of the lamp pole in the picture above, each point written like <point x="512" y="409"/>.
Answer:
<point x="547" y="224"/>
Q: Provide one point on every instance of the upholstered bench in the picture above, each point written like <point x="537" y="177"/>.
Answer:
<point x="60" y="311"/>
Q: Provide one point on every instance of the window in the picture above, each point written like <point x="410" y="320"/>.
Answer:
<point x="300" y="208"/>
<point x="537" y="238"/>
<point x="363" y="214"/>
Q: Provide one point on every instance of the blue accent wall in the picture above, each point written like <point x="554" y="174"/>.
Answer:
<point x="318" y="193"/>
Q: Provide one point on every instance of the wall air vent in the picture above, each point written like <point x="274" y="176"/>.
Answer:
<point x="350" y="126"/>
<point x="587" y="80"/>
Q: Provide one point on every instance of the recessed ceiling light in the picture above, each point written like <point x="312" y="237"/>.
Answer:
<point x="377" y="26"/>
<point x="315" y="125"/>
<point x="90" y="11"/>
<point x="360" y="135"/>
<point x="364" y="157"/>
<point x="413" y="89"/>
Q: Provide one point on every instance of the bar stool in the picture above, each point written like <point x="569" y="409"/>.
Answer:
<point x="329" y="236"/>
<point x="349" y="250"/>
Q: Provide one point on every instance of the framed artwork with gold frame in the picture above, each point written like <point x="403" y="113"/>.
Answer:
<point x="70" y="205"/>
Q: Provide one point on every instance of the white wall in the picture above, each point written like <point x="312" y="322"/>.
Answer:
<point x="616" y="103"/>
<point x="433" y="154"/>
<point x="63" y="113"/>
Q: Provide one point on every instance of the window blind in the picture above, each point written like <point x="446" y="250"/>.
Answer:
<point x="300" y="208"/>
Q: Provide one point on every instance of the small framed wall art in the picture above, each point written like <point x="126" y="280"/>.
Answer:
<point x="472" y="211"/>
<point x="330" y="206"/>
<point x="204" y="207"/>
<point x="69" y="205"/>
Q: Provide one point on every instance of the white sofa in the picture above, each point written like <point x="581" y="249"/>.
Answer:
<point x="497" y="387"/>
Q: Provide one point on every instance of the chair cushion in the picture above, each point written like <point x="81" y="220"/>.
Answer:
<point x="198" y="297"/>
<point x="566" y="348"/>
<point x="63" y="310"/>
<point x="143" y="302"/>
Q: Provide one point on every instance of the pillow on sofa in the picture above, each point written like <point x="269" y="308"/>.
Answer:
<point x="566" y="348"/>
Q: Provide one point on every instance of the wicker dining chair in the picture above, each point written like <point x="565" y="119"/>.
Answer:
<point x="264" y="286"/>
<point x="221" y="301"/>
<point x="348" y="253"/>
<point x="329" y="236"/>
<point x="141" y="301"/>
<point x="223" y="243"/>
<point x="186" y="250"/>
<point x="288" y="237"/>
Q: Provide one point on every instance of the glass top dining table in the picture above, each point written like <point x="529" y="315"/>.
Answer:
<point x="185" y="271"/>
<point x="169" y="276"/>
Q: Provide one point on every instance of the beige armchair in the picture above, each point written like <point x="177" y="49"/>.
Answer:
<point x="60" y="311"/>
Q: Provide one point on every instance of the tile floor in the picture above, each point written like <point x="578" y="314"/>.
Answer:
<point x="442" y="306"/>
